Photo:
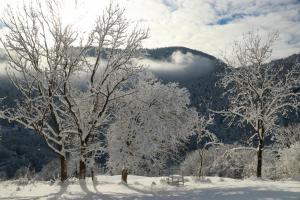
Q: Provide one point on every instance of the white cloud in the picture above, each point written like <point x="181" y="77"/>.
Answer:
<point x="180" y="66"/>
<point x="206" y="25"/>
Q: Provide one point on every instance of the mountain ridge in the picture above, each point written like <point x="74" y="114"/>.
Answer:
<point x="154" y="52"/>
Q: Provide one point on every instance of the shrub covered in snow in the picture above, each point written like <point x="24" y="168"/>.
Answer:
<point x="230" y="161"/>
<point x="49" y="172"/>
<point x="288" y="164"/>
<point x="26" y="172"/>
<point x="192" y="163"/>
<point x="270" y="158"/>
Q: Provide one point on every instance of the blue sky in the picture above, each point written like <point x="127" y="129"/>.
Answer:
<point x="223" y="20"/>
<point x="207" y="25"/>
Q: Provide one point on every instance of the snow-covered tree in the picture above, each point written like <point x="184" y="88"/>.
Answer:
<point x="116" y="47"/>
<point x="259" y="92"/>
<point x="149" y="126"/>
<point x="46" y="59"/>
<point x="204" y="136"/>
<point x="40" y="50"/>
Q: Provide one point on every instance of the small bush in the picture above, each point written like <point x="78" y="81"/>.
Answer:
<point x="229" y="161"/>
<point x="191" y="165"/>
<point x="288" y="165"/>
<point x="25" y="172"/>
<point x="49" y="171"/>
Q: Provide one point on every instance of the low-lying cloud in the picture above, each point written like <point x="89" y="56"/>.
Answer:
<point x="180" y="66"/>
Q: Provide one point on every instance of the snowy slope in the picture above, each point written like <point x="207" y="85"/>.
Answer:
<point x="109" y="187"/>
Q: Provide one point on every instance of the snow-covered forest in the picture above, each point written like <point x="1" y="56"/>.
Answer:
<point x="112" y="127"/>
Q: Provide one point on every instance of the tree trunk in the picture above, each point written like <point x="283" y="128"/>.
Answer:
<point x="82" y="165"/>
<point x="63" y="168"/>
<point x="260" y="149"/>
<point x="82" y="169"/>
<point x="92" y="174"/>
<point x="259" y="159"/>
<point x="124" y="175"/>
<point x="201" y="163"/>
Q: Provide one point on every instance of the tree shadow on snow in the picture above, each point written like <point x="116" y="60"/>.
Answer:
<point x="92" y="195"/>
<point x="240" y="193"/>
<point x="245" y="193"/>
<point x="52" y="196"/>
<point x="145" y="192"/>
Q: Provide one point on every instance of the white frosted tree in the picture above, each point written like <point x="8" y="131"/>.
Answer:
<point x="149" y="127"/>
<point x="40" y="50"/>
<point x="117" y="45"/>
<point x="259" y="92"/>
<point x="204" y="136"/>
<point x="47" y="59"/>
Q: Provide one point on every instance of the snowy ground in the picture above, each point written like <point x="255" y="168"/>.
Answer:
<point x="109" y="187"/>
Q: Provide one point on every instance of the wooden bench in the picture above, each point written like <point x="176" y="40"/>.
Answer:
<point x="175" y="178"/>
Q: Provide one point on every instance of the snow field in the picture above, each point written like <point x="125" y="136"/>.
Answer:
<point x="140" y="188"/>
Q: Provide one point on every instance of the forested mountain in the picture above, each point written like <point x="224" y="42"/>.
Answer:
<point x="166" y="52"/>
<point x="194" y="70"/>
<point x="203" y="87"/>
<point x="19" y="147"/>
